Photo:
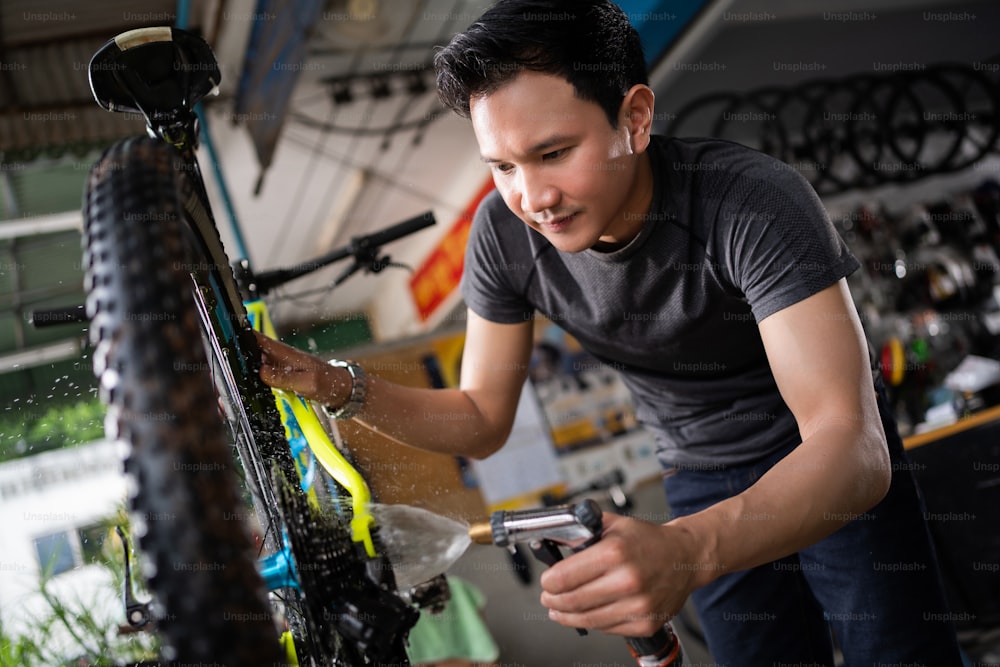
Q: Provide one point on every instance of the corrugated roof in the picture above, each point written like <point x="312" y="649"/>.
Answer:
<point x="51" y="130"/>
<point x="46" y="107"/>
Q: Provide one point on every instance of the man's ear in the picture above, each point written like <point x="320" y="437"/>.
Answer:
<point x="636" y="115"/>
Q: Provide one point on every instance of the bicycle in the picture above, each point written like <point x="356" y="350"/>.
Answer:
<point x="158" y="280"/>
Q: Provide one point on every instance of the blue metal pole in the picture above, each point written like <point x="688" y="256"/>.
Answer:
<point x="183" y="12"/>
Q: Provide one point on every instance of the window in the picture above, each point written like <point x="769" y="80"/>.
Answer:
<point x="62" y="551"/>
<point x="55" y="553"/>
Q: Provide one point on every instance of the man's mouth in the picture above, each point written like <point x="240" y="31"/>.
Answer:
<point x="558" y="224"/>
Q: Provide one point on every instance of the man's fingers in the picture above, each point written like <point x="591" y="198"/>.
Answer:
<point x="610" y="604"/>
<point x="612" y="620"/>
<point x="286" y="367"/>
<point x="614" y="603"/>
<point x="263" y="340"/>
<point x="275" y="348"/>
<point x="585" y="566"/>
<point x="606" y="587"/>
<point x="297" y="381"/>
<point x="279" y="354"/>
<point x="268" y="373"/>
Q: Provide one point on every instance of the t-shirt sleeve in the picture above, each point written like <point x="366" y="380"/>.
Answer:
<point x="777" y="242"/>
<point x="496" y="259"/>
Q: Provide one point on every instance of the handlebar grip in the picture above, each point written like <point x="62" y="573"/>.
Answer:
<point x="401" y="229"/>
<point x="53" y="316"/>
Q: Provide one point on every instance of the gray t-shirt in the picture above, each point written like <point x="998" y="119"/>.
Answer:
<point x="732" y="236"/>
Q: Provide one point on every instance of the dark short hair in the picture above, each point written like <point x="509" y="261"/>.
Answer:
<point x="589" y="43"/>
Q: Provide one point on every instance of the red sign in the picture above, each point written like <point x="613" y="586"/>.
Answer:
<point x="441" y="272"/>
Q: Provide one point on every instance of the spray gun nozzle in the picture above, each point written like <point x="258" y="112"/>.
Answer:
<point x="481" y="533"/>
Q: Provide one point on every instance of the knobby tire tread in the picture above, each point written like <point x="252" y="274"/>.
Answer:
<point x="211" y="607"/>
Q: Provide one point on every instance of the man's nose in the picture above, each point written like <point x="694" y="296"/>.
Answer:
<point x="537" y="194"/>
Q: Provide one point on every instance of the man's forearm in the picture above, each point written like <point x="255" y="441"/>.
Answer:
<point x="832" y="477"/>
<point x="446" y="421"/>
<point x="470" y="422"/>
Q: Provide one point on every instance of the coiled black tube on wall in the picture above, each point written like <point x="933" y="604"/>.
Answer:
<point x="864" y="130"/>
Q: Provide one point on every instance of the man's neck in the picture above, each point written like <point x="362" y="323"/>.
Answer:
<point x="635" y="212"/>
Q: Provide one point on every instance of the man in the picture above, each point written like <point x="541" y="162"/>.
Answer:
<point x="710" y="274"/>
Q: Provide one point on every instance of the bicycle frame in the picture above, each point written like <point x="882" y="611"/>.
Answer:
<point x="305" y="434"/>
<point x="171" y="118"/>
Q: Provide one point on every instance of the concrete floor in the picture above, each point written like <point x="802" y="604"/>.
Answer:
<point x="520" y="624"/>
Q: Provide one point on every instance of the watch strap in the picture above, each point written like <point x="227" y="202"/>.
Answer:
<point x="359" y="391"/>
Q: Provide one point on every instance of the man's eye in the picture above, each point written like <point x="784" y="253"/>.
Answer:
<point x="555" y="155"/>
<point x="504" y="168"/>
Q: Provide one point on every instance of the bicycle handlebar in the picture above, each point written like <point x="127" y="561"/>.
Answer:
<point x="362" y="248"/>
<point x="399" y="230"/>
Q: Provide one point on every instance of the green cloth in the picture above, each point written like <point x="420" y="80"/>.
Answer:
<point x="458" y="632"/>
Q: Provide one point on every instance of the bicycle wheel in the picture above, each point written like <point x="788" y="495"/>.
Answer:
<point x="210" y="603"/>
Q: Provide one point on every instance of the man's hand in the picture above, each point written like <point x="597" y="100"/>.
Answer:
<point x="285" y="367"/>
<point x="630" y="583"/>
<point x="472" y="421"/>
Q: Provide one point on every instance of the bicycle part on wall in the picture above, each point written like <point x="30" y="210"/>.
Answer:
<point x="860" y="131"/>
<point x="925" y="294"/>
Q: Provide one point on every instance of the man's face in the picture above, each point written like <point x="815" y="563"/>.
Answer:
<point x="558" y="163"/>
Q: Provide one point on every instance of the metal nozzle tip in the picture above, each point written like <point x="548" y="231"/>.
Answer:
<point x="481" y="533"/>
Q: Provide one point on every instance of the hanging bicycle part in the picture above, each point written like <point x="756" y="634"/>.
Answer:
<point x="861" y="131"/>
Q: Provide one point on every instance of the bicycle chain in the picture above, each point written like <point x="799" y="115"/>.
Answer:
<point x="350" y="602"/>
<point x="325" y="561"/>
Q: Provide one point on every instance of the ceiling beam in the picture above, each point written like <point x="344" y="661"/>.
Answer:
<point x="43" y="224"/>
<point x="37" y="356"/>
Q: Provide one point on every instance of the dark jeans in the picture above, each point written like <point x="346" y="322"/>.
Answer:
<point x="874" y="583"/>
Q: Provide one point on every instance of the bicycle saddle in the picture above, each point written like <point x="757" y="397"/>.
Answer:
<point x="159" y="72"/>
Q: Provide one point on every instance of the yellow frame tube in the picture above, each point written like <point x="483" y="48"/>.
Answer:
<point x="319" y="443"/>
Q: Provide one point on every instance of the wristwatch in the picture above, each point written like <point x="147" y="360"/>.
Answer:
<point x="359" y="390"/>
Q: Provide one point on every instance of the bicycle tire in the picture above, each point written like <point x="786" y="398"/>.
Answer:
<point x="210" y="603"/>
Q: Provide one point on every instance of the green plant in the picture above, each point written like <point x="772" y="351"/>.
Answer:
<point x="69" y="633"/>
<point x="19" y="649"/>
<point x="24" y="432"/>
